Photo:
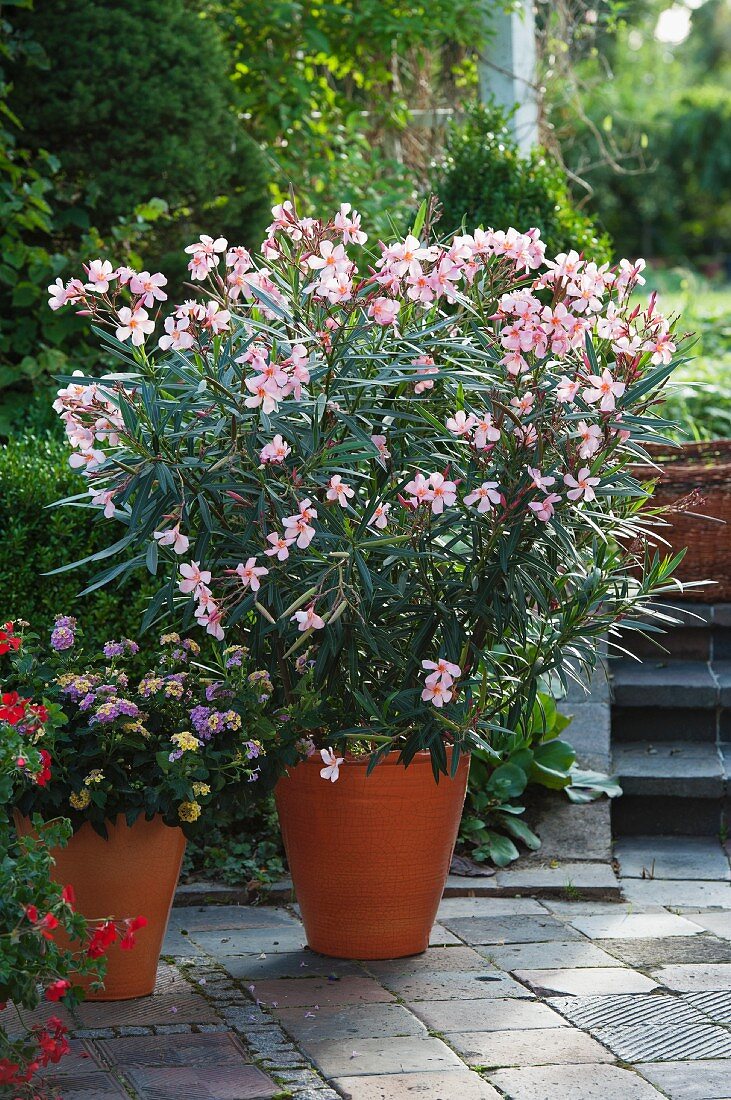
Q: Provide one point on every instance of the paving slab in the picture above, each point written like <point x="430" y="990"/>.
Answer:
<point x="519" y="929"/>
<point x="209" y="918"/>
<point x="587" y="981"/>
<point x="597" y="1082"/>
<point x="179" y="945"/>
<point x="547" y="956"/>
<point x="416" y="1086"/>
<point x="695" y="978"/>
<point x="495" y="1049"/>
<point x="707" y="1080"/>
<point x="286" y="993"/>
<point x="635" y="926"/>
<point x="670" y="950"/>
<point x="89" y="1086"/>
<point x="659" y="1042"/>
<point x="716" y="1005"/>
<point x="490" y="907"/>
<point x="364" y="1021"/>
<point x="289" y="964"/>
<point x="590" y="878"/>
<point x="225" y="1083"/>
<point x="718" y="923"/>
<point x="449" y="986"/>
<point x="218" y="1049"/>
<point x="678" y="894"/>
<point x="681" y="857"/>
<point x="436" y="959"/>
<point x="569" y="909"/>
<point x="441" y="936"/>
<point x="367" y="1057"/>
<point x="628" y="1010"/>
<point x="167" y="1008"/>
<point x="502" y="1014"/>
<point x="246" y="941"/>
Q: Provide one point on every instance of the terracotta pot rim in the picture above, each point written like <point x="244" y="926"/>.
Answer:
<point x="421" y="758"/>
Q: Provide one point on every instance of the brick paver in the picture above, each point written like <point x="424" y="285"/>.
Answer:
<point x="518" y="998"/>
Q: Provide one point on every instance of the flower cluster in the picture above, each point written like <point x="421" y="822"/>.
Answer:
<point x="122" y="742"/>
<point x="386" y="458"/>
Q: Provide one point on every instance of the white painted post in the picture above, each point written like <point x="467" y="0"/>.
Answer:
<point x="507" y="67"/>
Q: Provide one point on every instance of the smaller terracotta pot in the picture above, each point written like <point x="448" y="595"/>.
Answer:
<point x="370" y="854"/>
<point x="131" y="874"/>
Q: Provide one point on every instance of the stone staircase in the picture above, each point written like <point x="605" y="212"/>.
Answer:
<point x="671" y="728"/>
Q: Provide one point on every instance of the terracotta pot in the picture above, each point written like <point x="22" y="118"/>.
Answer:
<point x="132" y="873"/>
<point x="369" y="854"/>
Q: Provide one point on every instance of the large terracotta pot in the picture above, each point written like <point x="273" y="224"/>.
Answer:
<point x="132" y="873"/>
<point x="370" y="854"/>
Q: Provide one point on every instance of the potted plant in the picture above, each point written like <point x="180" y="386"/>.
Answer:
<point x="139" y="763"/>
<point x="404" y="484"/>
<point x="38" y="915"/>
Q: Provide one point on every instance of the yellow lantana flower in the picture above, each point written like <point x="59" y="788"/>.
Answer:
<point x="79" y="801"/>
<point x="185" y="741"/>
<point x="201" y="789"/>
<point x="189" y="811"/>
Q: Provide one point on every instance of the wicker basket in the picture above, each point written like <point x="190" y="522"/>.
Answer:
<point x="697" y="478"/>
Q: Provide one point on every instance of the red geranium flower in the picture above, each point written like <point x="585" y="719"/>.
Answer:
<point x="128" y="939"/>
<point x="13" y="708"/>
<point x="58" y="989"/>
<point x="8" y="640"/>
<point x="45" y="773"/>
<point x="102" y="939"/>
<point x="68" y="895"/>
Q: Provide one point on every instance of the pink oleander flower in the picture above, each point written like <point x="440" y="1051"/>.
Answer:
<point x="567" y="390"/>
<point x="298" y="528"/>
<point x="384" y="311"/>
<point x="134" y="323"/>
<point x="279" y="546"/>
<point x="444" y="493"/>
<point x="148" y="287"/>
<point x="604" y="389"/>
<point x="439" y="692"/>
<point x="484" y="496"/>
<point x="582" y="485"/>
<point x="419" y="490"/>
<point x="100" y="274"/>
<point x="103" y="498"/>
<point x="339" y="491"/>
<point x="539" y="480"/>
<point x="308" y="620"/>
<point x="591" y="438"/>
<point x="379" y="518"/>
<point x="332" y="258"/>
<point x="332" y="764"/>
<point x="61" y="295"/>
<point x="444" y="668"/>
<point x="274" y="452"/>
<point x="347" y="221"/>
<point x="461" y="424"/>
<point x="204" y="255"/>
<point x="216" y="319"/>
<point x="250" y="573"/>
<point x="193" y="577"/>
<point x="173" y="537"/>
<point x="543" y="509"/>
<point x="425" y="365"/>
<point x="176" y="334"/>
<point x="485" y="432"/>
<point x="379" y="442"/>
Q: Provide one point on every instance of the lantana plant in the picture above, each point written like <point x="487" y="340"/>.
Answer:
<point x="401" y="478"/>
<point x="177" y="741"/>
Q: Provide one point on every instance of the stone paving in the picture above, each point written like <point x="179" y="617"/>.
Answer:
<point x="563" y="997"/>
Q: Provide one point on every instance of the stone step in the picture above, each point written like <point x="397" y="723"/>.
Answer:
<point x="702" y="632"/>
<point x="670" y="787"/>
<point x="686" y="685"/>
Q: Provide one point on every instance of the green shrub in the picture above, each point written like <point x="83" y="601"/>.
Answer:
<point x="135" y="103"/>
<point x="34" y="539"/>
<point x="484" y="180"/>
